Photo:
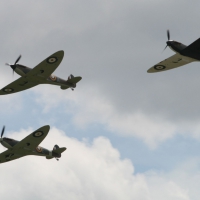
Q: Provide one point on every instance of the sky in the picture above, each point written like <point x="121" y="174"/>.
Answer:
<point x="128" y="134"/>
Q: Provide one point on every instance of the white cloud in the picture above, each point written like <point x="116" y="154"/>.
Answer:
<point x="9" y="103"/>
<point x="89" y="106"/>
<point x="89" y="170"/>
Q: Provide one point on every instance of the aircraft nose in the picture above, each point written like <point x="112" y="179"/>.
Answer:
<point x="168" y="43"/>
<point x="13" y="66"/>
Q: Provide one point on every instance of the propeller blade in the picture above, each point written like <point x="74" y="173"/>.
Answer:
<point x="168" y="34"/>
<point x="165" y="48"/>
<point x="2" y="132"/>
<point x="18" y="59"/>
<point x="13" y="66"/>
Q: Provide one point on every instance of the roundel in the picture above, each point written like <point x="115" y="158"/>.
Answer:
<point x="53" y="78"/>
<point x="38" y="134"/>
<point x="159" y="67"/>
<point x="39" y="149"/>
<point x="7" y="89"/>
<point x="52" y="60"/>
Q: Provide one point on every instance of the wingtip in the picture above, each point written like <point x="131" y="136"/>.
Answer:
<point x="61" y="52"/>
<point x="46" y="126"/>
<point x="151" y="70"/>
<point x="78" y="78"/>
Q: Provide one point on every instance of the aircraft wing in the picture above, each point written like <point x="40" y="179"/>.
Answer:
<point x="33" y="140"/>
<point x="18" y="85"/>
<point x="47" y="66"/>
<point x="9" y="155"/>
<point x="25" y="146"/>
<point x="172" y="62"/>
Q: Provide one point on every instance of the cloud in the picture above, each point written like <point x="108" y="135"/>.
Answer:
<point x="111" y="44"/>
<point x="9" y="103"/>
<point x="89" y="107"/>
<point x="87" y="170"/>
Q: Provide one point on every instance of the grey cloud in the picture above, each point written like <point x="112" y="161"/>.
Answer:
<point x="111" y="44"/>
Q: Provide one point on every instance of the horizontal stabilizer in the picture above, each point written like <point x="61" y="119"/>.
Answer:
<point x="60" y="150"/>
<point x="74" y="79"/>
<point x="49" y="157"/>
<point x="64" y="87"/>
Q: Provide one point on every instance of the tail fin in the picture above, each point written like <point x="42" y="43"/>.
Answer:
<point x="71" y="82"/>
<point x="58" y="150"/>
<point x="70" y="77"/>
<point x="56" y="153"/>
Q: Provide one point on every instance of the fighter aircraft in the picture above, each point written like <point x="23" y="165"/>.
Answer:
<point x="184" y="55"/>
<point x="28" y="146"/>
<point x="41" y="74"/>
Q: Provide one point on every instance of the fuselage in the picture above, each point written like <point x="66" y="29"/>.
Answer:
<point x="192" y="53"/>
<point x="39" y="151"/>
<point x="176" y="46"/>
<point x="52" y="79"/>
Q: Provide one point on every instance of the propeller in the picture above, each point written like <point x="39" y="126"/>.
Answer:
<point x="168" y="34"/>
<point x="15" y="64"/>
<point x="168" y="37"/>
<point x="2" y="132"/>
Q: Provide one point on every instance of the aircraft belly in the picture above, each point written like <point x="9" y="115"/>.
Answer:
<point x="55" y="83"/>
<point x="20" y="72"/>
<point x="172" y="49"/>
